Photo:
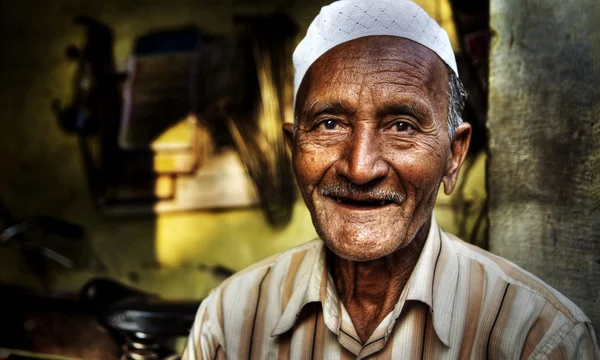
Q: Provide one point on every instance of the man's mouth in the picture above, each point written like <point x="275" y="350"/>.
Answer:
<point x="353" y="197"/>
<point x="364" y="204"/>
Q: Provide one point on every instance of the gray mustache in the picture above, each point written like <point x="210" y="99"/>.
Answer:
<point x="348" y="189"/>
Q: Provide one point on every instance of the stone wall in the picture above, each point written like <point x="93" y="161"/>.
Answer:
<point x="544" y="128"/>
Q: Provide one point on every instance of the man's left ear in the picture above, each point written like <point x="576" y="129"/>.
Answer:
<point x="459" y="148"/>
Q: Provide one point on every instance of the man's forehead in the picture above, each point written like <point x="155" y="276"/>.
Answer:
<point x="384" y="47"/>
<point x="387" y="64"/>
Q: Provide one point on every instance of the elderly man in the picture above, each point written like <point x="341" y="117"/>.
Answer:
<point x="377" y="130"/>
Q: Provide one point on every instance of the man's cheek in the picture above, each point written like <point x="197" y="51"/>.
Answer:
<point x="418" y="171"/>
<point x="307" y="174"/>
<point x="312" y="164"/>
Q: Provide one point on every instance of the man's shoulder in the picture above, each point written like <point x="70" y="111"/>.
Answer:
<point x="510" y="273"/>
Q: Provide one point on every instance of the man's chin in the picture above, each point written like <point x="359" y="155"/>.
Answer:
<point x="352" y="256"/>
<point x="362" y="249"/>
<point x="361" y="235"/>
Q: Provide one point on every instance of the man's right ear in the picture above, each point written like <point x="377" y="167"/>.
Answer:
<point x="288" y="133"/>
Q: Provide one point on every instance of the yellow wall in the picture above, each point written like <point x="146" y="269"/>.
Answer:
<point x="41" y="172"/>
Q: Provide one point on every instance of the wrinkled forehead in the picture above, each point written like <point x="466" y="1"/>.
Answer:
<point x="390" y="64"/>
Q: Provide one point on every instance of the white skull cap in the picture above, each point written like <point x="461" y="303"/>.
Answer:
<point x="346" y="20"/>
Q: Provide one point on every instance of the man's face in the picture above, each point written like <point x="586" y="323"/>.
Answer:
<point x="372" y="146"/>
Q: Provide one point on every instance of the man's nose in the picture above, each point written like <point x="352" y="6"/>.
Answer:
<point x="362" y="159"/>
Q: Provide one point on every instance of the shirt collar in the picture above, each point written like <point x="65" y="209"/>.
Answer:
<point x="314" y="285"/>
<point x="433" y="282"/>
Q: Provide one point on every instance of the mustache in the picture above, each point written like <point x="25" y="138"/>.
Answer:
<point x="349" y="190"/>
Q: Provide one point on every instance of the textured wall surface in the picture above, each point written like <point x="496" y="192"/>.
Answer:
<point x="41" y="170"/>
<point x="544" y="126"/>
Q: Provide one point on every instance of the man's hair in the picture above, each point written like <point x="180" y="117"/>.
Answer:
<point x="456" y="99"/>
<point x="456" y="103"/>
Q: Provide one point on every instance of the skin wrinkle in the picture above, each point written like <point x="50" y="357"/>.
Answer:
<point x="401" y="62"/>
<point x="312" y="105"/>
<point x="408" y="77"/>
<point x="361" y="157"/>
<point x="371" y="287"/>
<point x="455" y="93"/>
<point x="333" y="109"/>
<point x="420" y="113"/>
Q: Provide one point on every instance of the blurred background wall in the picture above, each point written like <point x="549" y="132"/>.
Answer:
<point x="41" y="168"/>
<point x="543" y="167"/>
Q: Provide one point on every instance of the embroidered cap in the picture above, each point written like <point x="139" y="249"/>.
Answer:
<point x="346" y="20"/>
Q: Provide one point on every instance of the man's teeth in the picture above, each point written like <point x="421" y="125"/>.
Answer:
<point x="380" y="203"/>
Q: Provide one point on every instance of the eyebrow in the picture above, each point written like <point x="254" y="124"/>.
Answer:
<point x="326" y="107"/>
<point x="414" y="109"/>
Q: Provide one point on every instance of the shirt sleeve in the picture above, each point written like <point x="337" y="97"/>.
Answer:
<point x="580" y="343"/>
<point x="203" y="341"/>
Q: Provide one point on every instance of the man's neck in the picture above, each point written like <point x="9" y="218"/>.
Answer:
<point x="370" y="289"/>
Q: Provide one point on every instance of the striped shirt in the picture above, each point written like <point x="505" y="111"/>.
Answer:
<point x="460" y="303"/>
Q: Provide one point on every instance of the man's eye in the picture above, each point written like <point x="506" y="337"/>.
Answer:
<point x="329" y="124"/>
<point x="402" y="126"/>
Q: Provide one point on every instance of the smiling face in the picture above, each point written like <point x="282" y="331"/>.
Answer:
<point x="371" y="146"/>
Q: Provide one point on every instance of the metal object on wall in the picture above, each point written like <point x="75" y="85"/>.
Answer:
<point x="93" y="111"/>
<point x="13" y="236"/>
<point x="42" y="238"/>
<point x="199" y="125"/>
